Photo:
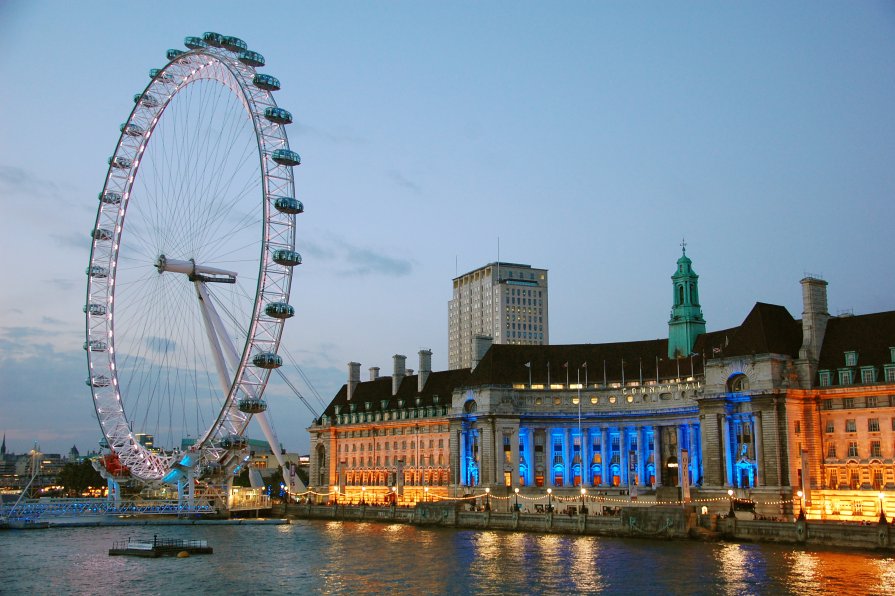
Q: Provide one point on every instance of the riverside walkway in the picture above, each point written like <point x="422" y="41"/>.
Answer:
<point x="657" y="522"/>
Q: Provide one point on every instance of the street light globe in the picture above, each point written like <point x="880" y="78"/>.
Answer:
<point x="549" y="490"/>
<point x="881" y="495"/>
<point x="487" y="489"/>
<point x="516" y="490"/>
<point x="583" y="491"/>
<point x="800" y="493"/>
<point x="729" y="492"/>
<point x="426" y="489"/>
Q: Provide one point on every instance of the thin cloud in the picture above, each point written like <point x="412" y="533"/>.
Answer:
<point x="340" y="139"/>
<point x="402" y="181"/>
<point x="16" y="181"/>
<point x="355" y="260"/>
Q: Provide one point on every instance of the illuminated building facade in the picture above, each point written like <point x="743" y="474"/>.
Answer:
<point x="751" y="409"/>
<point x="504" y="303"/>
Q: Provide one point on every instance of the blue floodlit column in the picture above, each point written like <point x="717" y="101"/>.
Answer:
<point x="695" y="453"/>
<point x="548" y="439"/>
<point x="568" y="474"/>
<point x="759" y="455"/>
<point x="514" y="457"/>
<point x="462" y="457"/>
<point x="680" y="456"/>
<point x="530" y="458"/>
<point x="623" y="455"/>
<point x="604" y="456"/>
<point x="587" y="478"/>
<point x="643" y="456"/>
<point x="725" y="451"/>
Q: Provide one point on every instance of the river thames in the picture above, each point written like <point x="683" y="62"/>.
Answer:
<point x="321" y="557"/>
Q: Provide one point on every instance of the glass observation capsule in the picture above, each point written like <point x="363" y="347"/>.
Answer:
<point x="279" y="310"/>
<point x="95" y="345"/>
<point x="234" y="442"/>
<point x="158" y="73"/>
<point x="266" y="82"/>
<point x="250" y="58"/>
<point x="147" y="100"/>
<point x="267" y="360"/>
<point x="122" y="163"/>
<point x="110" y="198"/>
<point x="194" y="43"/>
<point x="288" y="205"/>
<point x="174" y="53"/>
<point x="95" y="309"/>
<point x="286" y="157"/>
<point x="101" y="234"/>
<point x="278" y="115"/>
<point x="287" y="258"/>
<point x="234" y="44"/>
<point x="132" y="130"/>
<point x="252" y="405"/>
<point x="97" y="272"/>
<point x="98" y="381"/>
<point x="213" y="39"/>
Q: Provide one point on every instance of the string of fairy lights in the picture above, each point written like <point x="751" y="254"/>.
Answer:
<point x="547" y="497"/>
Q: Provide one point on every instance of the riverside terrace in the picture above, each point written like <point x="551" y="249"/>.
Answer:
<point x="664" y="522"/>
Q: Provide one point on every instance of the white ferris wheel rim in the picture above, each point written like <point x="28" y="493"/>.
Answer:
<point x="263" y="332"/>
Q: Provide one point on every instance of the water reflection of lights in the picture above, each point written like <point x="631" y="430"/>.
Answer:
<point x="585" y="572"/>
<point x="734" y="560"/>
<point x="804" y="568"/>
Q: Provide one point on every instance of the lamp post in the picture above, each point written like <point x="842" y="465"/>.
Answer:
<point x="394" y="496"/>
<point x="882" y="512"/>
<point x="516" y="491"/>
<point x="487" y="498"/>
<point x="583" y="492"/>
<point x="801" y="509"/>
<point x="337" y="494"/>
<point x="363" y="495"/>
<point x="730" y="497"/>
<point x="425" y="494"/>
<point x="549" y="500"/>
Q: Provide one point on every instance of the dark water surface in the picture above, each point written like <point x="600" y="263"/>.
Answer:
<point x="319" y="557"/>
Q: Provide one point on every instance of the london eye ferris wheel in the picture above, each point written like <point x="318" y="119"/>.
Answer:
<point x="191" y="264"/>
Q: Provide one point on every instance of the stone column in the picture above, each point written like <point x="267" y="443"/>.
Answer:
<point x="514" y="457"/>
<point x="604" y="456"/>
<point x="695" y="454"/>
<point x="726" y="462"/>
<point x="680" y="456"/>
<point x="530" y="458"/>
<point x="643" y="452"/>
<point x="461" y="457"/>
<point x="587" y="478"/>
<point x="548" y="456"/>
<point x="759" y="453"/>
<point x="657" y="454"/>
<point x="570" y="451"/>
<point x="623" y="455"/>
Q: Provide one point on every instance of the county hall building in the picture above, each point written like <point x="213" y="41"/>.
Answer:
<point x="751" y="409"/>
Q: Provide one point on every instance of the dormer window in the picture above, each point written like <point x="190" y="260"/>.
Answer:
<point x="846" y="376"/>
<point x="418" y="401"/>
<point x="892" y="354"/>
<point x="851" y="358"/>
<point x="868" y="374"/>
<point x="890" y="374"/>
<point x="400" y="403"/>
<point x="435" y="399"/>
<point x="352" y="408"/>
<point x="824" y="378"/>
<point x="368" y="405"/>
<point x="383" y="404"/>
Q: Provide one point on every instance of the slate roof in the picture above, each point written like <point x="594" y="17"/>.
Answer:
<point x="870" y="336"/>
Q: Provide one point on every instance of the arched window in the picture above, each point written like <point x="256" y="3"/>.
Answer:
<point x="737" y="383"/>
<point x="680" y="294"/>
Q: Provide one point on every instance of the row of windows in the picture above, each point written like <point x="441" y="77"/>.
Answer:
<point x="369" y="446"/>
<point x="424" y="460"/>
<point x="851" y="357"/>
<point x="850" y="403"/>
<point x="846" y="376"/>
<point x="395" y="430"/>
<point x="851" y="425"/>
<point x="875" y="450"/>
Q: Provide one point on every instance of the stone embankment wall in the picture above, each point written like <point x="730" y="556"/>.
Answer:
<point x="663" y="522"/>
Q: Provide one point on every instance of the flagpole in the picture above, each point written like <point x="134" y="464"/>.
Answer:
<point x="623" y="374"/>
<point x="604" y="373"/>
<point x="580" y="438"/>
<point x="657" y="370"/>
<point x="548" y="374"/>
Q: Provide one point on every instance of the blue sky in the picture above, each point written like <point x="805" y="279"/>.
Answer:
<point x="588" y="137"/>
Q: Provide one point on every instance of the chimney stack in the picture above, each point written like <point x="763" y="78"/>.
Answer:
<point x="399" y="372"/>
<point x="353" y="378"/>
<point x="480" y="345"/>
<point x="425" y="369"/>
<point x="374" y="373"/>
<point x="814" y="317"/>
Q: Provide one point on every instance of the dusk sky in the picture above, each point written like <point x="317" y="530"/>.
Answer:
<point x="586" y="138"/>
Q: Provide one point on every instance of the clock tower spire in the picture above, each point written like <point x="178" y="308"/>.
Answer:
<point x="686" y="322"/>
